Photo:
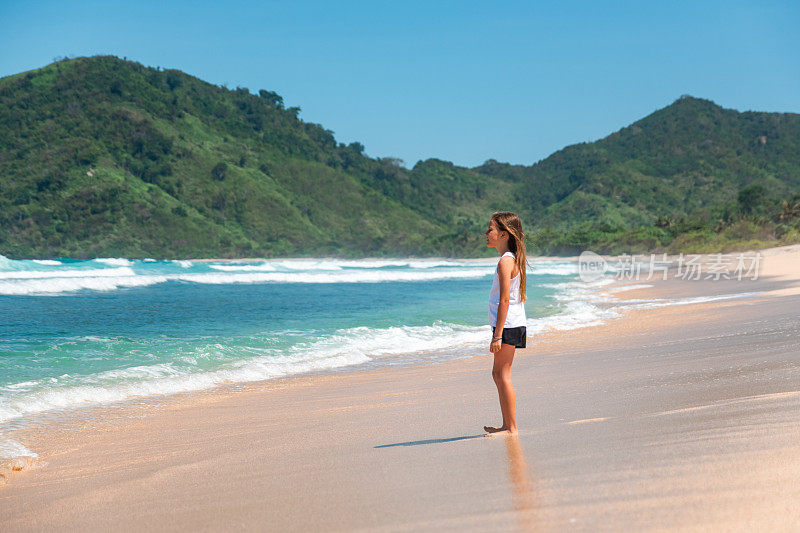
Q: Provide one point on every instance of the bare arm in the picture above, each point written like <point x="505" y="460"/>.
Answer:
<point x="504" y="269"/>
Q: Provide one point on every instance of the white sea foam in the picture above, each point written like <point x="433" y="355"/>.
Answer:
<point x="554" y="269"/>
<point x="576" y="314"/>
<point x="432" y="264"/>
<point x="377" y="263"/>
<point x="52" y="277"/>
<point x="367" y="276"/>
<point x="33" y="283"/>
<point x="597" y="292"/>
<point x="661" y="302"/>
<point x="61" y="285"/>
<point x="11" y="449"/>
<point x="67" y="273"/>
<point x="580" y="290"/>
<point x="20" y="385"/>
<point x="259" y="267"/>
<point x="379" y="342"/>
<point x="114" y="273"/>
<point x="308" y="264"/>
<point x="114" y="261"/>
<point x="337" y="264"/>
<point x="623" y="288"/>
<point x="342" y="349"/>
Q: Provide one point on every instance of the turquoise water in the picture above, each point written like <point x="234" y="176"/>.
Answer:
<point x="77" y="333"/>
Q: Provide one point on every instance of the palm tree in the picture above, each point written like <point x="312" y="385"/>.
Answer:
<point x="790" y="208"/>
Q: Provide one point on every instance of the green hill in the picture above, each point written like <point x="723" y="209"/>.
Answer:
<point x="690" y="177"/>
<point x="105" y="157"/>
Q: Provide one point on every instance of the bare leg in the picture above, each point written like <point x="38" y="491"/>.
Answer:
<point x="501" y="373"/>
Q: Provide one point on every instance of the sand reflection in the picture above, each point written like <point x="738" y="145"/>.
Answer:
<point x="523" y="497"/>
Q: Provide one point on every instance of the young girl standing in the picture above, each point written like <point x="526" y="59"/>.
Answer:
<point x="506" y="310"/>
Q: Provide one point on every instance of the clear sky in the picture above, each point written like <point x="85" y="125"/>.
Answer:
<point x="463" y="81"/>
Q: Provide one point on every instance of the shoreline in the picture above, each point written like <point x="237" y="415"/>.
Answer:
<point x="391" y="360"/>
<point x="381" y="360"/>
<point x="603" y="297"/>
<point x="70" y="446"/>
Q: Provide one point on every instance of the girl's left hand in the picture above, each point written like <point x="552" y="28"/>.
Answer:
<point x="494" y="347"/>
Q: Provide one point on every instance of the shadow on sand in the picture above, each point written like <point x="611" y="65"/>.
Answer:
<point x="430" y="441"/>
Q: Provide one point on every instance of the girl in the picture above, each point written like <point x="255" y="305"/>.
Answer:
<point x="506" y="310"/>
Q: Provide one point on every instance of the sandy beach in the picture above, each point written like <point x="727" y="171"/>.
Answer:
<point x="681" y="417"/>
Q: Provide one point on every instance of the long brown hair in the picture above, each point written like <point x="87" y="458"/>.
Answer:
<point x="510" y="223"/>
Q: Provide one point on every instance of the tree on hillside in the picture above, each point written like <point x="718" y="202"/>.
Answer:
<point x="272" y="97"/>
<point x="751" y="198"/>
<point x="219" y="171"/>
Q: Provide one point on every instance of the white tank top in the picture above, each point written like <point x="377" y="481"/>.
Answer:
<point x="516" y="308"/>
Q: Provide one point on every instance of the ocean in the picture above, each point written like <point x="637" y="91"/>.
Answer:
<point x="77" y="333"/>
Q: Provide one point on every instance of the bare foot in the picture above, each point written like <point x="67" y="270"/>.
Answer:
<point x="503" y="430"/>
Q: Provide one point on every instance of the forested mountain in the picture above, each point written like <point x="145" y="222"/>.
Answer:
<point x="105" y="157"/>
<point x="712" y="177"/>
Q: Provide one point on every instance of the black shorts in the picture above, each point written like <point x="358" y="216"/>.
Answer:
<point x="514" y="336"/>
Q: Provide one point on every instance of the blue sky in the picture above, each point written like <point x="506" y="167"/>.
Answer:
<point x="462" y="81"/>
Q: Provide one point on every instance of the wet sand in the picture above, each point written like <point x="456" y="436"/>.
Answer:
<point x="680" y="417"/>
